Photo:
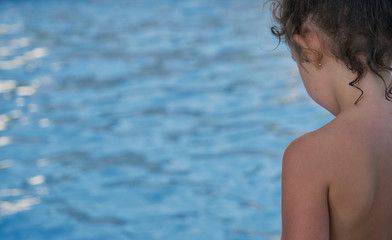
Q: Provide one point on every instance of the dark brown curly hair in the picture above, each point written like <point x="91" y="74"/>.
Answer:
<point x="359" y="32"/>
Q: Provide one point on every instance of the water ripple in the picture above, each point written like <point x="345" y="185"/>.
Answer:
<point x="144" y="119"/>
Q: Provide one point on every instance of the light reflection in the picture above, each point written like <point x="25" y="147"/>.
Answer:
<point x="5" y="51"/>
<point x="16" y="113"/>
<point x="41" y="80"/>
<point x="36" y="53"/>
<point x="13" y="192"/>
<point x="21" y="60"/>
<point x="6" y="163"/>
<point x="4" y="119"/>
<point x="56" y="66"/>
<point x="32" y="107"/>
<point x="3" y="125"/>
<point x="293" y="96"/>
<point x="20" y="42"/>
<point x="25" y="120"/>
<point x="11" y="64"/>
<point x="39" y="179"/>
<point x="44" y="122"/>
<point x="4" y="141"/>
<point x="10" y="28"/>
<point x="33" y="65"/>
<point x="276" y="237"/>
<point x="14" y="44"/>
<point x="42" y="162"/>
<point x="25" y="91"/>
<point x="294" y="90"/>
<point x="7" y="85"/>
<point x="42" y="190"/>
<point x="8" y="208"/>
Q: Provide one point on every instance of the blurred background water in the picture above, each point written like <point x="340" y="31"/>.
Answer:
<point x="144" y="119"/>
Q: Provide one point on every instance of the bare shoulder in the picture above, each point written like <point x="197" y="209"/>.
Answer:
<point x="328" y="141"/>
<point x="319" y="151"/>
<point x="304" y="158"/>
<point x="314" y="147"/>
<point x="309" y="166"/>
<point x="305" y="184"/>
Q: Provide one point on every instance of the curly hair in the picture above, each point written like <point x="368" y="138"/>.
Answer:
<point x="359" y="33"/>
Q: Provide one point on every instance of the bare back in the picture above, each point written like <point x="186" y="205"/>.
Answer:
<point x="360" y="192"/>
<point x="337" y="180"/>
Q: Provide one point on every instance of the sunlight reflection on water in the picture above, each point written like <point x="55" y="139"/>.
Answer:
<point x="144" y="120"/>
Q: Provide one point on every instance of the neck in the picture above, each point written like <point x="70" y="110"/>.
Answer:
<point x="345" y="95"/>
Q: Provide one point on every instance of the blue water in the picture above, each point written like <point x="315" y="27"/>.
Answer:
<point x="144" y="119"/>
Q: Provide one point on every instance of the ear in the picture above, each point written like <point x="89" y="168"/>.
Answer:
<point x="311" y="46"/>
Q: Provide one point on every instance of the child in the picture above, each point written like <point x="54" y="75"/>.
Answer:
<point x="337" y="180"/>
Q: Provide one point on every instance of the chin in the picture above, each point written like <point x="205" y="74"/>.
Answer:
<point x="332" y="108"/>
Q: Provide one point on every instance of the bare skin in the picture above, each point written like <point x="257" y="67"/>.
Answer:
<point x="337" y="180"/>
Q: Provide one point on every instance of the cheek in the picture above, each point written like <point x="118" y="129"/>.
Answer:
<point x="318" y="91"/>
<point x="310" y="85"/>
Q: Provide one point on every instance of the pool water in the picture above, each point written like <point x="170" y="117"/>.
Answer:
<point x="144" y="119"/>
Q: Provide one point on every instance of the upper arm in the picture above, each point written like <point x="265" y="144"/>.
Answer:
<point x="305" y="214"/>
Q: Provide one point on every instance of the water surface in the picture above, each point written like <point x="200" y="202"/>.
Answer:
<point x="134" y="119"/>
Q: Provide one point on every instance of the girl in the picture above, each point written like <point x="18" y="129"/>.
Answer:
<point x="337" y="180"/>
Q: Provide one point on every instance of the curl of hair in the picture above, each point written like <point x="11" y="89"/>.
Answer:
<point x="359" y="32"/>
